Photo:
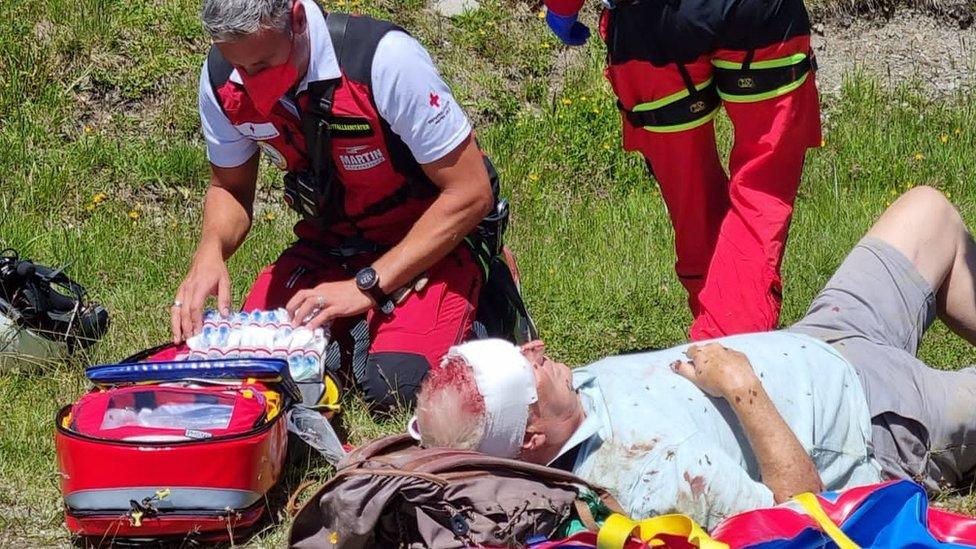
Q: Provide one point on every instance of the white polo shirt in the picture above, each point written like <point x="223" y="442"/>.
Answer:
<point x="407" y="88"/>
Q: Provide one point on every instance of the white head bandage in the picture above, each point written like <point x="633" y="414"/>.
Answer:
<point x="507" y="384"/>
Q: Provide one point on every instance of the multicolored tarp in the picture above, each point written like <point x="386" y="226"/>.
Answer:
<point x="892" y="514"/>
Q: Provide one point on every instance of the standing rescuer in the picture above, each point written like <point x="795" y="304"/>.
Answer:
<point x="672" y="63"/>
<point x="380" y="161"/>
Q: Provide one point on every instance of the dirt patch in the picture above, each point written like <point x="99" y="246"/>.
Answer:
<point x="925" y="46"/>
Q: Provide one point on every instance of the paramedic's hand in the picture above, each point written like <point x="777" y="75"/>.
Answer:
<point x="326" y="302"/>
<point x="567" y="28"/>
<point x="208" y="276"/>
<point x="717" y="370"/>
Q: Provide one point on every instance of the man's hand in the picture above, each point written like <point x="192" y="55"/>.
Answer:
<point x="568" y="28"/>
<point x="326" y="302"/>
<point x="207" y="276"/>
<point x="784" y="464"/>
<point x="717" y="370"/>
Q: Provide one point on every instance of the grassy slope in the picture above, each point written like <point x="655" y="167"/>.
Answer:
<point x="103" y="101"/>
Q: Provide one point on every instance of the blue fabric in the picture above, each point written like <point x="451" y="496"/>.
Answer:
<point x="237" y="368"/>
<point x="568" y="29"/>
<point x="895" y="515"/>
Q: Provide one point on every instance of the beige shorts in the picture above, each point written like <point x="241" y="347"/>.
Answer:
<point x="875" y="310"/>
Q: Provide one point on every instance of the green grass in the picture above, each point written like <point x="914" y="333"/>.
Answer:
<point x="105" y="103"/>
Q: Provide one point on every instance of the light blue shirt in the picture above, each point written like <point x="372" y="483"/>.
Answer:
<point x="661" y="445"/>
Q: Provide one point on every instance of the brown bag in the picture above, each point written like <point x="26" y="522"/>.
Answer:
<point x="392" y="493"/>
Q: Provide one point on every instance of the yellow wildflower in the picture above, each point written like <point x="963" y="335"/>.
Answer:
<point x="541" y="14"/>
<point x="567" y="101"/>
<point x="823" y="143"/>
<point x="269" y="216"/>
<point x="944" y="138"/>
<point x="99" y="198"/>
<point x="919" y="156"/>
<point x="606" y="146"/>
<point x="133" y="214"/>
<point x="89" y="207"/>
<point x="533" y="177"/>
<point x="89" y="129"/>
<point x="957" y="131"/>
<point x="544" y="45"/>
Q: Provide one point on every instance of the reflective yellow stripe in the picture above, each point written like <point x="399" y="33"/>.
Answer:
<point x="812" y="507"/>
<point x="794" y="59"/>
<point x="783" y="90"/>
<point x="683" y="127"/>
<point x="618" y="529"/>
<point x="669" y="99"/>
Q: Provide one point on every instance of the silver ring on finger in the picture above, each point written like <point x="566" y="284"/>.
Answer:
<point x="177" y="303"/>
<point x="320" y="301"/>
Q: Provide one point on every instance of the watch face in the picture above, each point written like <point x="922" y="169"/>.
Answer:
<point x="366" y="278"/>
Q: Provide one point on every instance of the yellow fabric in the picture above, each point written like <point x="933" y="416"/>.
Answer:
<point x="812" y="506"/>
<point x="618" y="529"/>
<point x="330" y="396"/>
<point x="787" y="61"/>
<point x="272" y="404"/>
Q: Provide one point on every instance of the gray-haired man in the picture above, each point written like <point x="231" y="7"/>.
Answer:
<point x="837" y="400"/>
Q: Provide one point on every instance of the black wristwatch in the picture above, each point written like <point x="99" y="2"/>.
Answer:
<point x="368" y="282"/>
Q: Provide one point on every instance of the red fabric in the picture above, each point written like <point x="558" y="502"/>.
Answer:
<point x="564" y="7"/>
<point x="88" y="414"/>
<point x="952" y="527"/>
<point x="363" y="163"/>
<point x="251" y="463"/>
<point x="730" y="230"/>
<point x="427" y="323"/>
<point x="203" y="528"/>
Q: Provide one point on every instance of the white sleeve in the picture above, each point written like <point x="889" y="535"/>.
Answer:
<point x="226" y="147"/>
<point x="414" y="100"/>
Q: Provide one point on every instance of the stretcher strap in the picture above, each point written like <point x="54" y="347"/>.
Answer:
<point x="618" y="530"/>
<point x="753" y="81"/>
<point x="812" y="507"/>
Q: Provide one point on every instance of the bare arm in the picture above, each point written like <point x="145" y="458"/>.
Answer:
<point x="784" y="464"/>
<point x="226" y="221"/>
<point x="464" y="199"/>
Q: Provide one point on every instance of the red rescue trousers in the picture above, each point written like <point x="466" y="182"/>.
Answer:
<point x="390" y="354"/>
<point x="730" y="230"/>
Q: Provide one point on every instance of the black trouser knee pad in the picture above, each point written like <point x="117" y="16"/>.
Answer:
<point x="392" y="380"/>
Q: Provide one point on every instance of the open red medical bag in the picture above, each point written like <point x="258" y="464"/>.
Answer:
<point x="160" y="449"/>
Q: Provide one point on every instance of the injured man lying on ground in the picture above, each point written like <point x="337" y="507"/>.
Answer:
<point x="837" y="400"/>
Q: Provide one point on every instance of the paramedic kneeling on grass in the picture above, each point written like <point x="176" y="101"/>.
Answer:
<point x="381" y="162"/>
<point x="837" y="400"/>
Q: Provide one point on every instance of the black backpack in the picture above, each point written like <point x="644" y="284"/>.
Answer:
<point x="48" y="303"/>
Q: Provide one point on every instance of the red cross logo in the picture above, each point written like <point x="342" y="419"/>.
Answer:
<point x="435" y="100"/>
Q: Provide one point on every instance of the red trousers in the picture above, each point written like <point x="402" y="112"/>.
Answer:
<point x="730" y="230"/>
<point x="390" y="355"/>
